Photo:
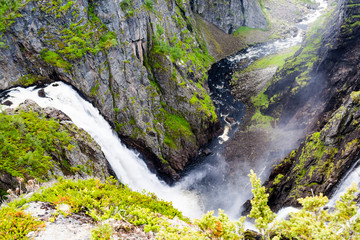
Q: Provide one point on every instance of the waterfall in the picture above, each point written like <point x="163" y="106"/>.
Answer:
<point x="352" y="176"/>
<point x="207" y="182"/>
<point x="127" y="165"/>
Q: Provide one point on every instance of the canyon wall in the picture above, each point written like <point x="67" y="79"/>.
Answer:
<point x="143" y="64"/>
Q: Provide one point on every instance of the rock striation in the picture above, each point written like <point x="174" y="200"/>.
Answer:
<point x="231" y="15"/>
<point x="142" y="64"/>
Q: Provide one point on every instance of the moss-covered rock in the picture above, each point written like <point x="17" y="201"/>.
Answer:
<point x="38" y="146"/>
<point x="318" y="164"/>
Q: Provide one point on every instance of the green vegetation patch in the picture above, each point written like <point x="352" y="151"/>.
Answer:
<point x="183" y="49"/>
<point x="16" y="224"/>
<point x="177" y="127"/>
<point x="9" y="11"/>
<point x="104" y="200"/>
<point x="107" y="200"/>
<point x="314" y="149"/>
<point x="27" y="140"/>
<point x="29" y="79"/>
<point x="204" y="103"/>
<point x="77" y="38"/>
<point x="275" y="60"/>
<point x="258" y="120"/>
<point x="244" y="31"/>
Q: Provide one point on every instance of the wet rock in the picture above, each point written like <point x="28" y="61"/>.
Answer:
<point x="7" y="103"/>
<point x="230" y="120"/>
<point x="51" y="112"/>
<point x="29" y="105"/>
<point x="206" y="152"/>
<point x="41" y="93"/>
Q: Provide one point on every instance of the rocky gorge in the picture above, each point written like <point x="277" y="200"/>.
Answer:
<point x="144" y="65"/>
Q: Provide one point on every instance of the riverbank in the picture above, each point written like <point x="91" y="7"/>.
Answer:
<point x="281" y="25"/>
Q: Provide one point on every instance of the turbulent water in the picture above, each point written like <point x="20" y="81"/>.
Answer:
<point x="127" y="165"/>
<point x="202" y="188"/>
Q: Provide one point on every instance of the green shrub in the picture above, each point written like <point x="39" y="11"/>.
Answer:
<point x="8" y="13"/>
<point x="102" y="232"/>
<point x="16" y="224"/>
<point x="149" y="5"/>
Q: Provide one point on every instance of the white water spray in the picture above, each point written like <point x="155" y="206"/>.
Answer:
<point x="127" y="165"/>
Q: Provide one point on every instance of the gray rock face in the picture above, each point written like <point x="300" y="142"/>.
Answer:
<point x="232" y="14"/>
<point x="143" y="66"/>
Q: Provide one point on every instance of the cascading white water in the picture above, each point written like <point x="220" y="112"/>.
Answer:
<point x="127" y="165"/>
<point x="352" y="176"/>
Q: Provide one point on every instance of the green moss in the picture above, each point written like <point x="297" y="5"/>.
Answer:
<point x="313" y="150"/>
<point x="204" y="104"/>
<point x="55" y="59"/>
<point x="278" y="178"/>
<point x="9" y="11"/>
<point x="29" y="79"/>
<point x="177" y="127"/>
<point x="350" y="146"/>
<point x="149" y="5"/>
<point x="355" y="96"/>
<point x="261" y="101"/>
<point x="181" y="49"/>
<point x="94" y="90"/>
<point x="258" y="120"/>
<point x="77" y="38"/>
<point x="275" y="60"/>
<point x="27" y="142"/>
<point x="242" y="31"/>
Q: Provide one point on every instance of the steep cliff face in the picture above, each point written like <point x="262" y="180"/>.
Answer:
<point x="321" y="161"/>
<point x="141" y="63"/>
<point x="319" y="95"/>
<point x="230" y="15"/>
